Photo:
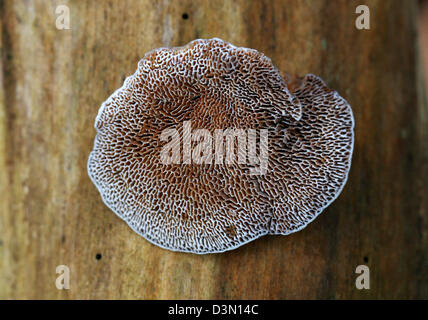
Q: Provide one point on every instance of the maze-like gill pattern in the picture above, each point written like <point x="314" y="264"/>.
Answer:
<point x="212" y="207"/>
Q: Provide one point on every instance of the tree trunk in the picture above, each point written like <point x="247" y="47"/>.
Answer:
<point x="53" y="82"/>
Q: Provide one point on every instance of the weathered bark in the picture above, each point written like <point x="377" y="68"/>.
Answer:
<point x="53" y="81"/>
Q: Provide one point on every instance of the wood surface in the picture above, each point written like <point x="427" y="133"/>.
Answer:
<point x="53" y="82"/>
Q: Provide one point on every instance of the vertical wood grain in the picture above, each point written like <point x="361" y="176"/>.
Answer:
<point x="53" y="82"/>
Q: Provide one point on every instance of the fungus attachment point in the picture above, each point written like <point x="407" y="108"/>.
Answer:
<point x="181" y="97"/>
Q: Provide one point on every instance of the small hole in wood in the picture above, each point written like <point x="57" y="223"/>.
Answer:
<point x="185" y="16"/>
<point x="98" y="256"/>
<point x="366" y="259"/>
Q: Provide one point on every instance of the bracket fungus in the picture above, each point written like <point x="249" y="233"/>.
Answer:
<point x="211" y="206"/>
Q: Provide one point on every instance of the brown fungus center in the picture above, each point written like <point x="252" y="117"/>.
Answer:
<point x="170" y="159"/>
